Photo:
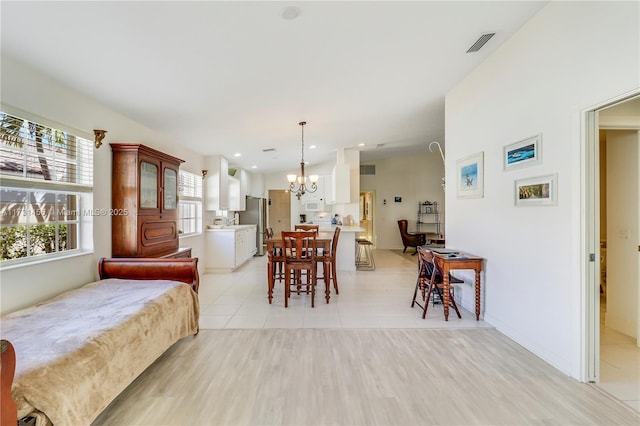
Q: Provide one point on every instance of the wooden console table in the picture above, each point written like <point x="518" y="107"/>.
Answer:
<point x="448" y="262"/>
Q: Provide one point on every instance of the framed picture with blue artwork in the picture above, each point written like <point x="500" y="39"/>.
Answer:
<point x="470" y="172"/>
<point x="526" y="152"/>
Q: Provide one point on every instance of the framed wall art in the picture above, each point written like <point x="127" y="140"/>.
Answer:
<point x="526" y="152"/>
<point x="537" y="191"/>
<point x="470" y="172"/>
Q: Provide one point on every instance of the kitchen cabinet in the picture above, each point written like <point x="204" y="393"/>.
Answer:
<point x="144" y="200"/>
<point x="229" y="247"/>
<point x="237" y="202"/>
<point x="340" y="185"/>
<point x="216" y="184"/>
<point x="245" y="184"/>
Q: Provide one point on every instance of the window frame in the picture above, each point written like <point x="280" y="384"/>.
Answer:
<point x="82" y="215"/>
<point x="190" y="195"/>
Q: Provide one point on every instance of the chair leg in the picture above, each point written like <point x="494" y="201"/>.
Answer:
<point x="415" y="293"/>
<point x="334" y="276"/>
<point x="313" y="284"/>
<point x="287" y="290"/>
<point x="405" y="249"/>
<point x="426" y="302"/>
<point x="326" y="268"/>
<point x="453" y="303"/>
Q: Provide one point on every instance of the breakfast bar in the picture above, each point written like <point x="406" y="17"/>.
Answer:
<point x="346" y="245"/>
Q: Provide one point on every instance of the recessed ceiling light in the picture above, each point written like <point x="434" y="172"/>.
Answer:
<point x="254" y="167"/>
<point x="237" y="154"/>
<point x="312" y="147"/>
<point x="360" y="144"/>
<point x="291" y="12"/>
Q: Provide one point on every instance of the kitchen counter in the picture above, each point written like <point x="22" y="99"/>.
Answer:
<point x="346" y="260"/>
<point x="229" y="246"/>
<point x="228" y="228"/>
<point x="344" y="228"/>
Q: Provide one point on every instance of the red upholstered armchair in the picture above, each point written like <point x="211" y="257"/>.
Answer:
<point x="409" y="239"/>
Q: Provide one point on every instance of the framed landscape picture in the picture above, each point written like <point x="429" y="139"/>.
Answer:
<point x="537" y="191"/>
<point x="470" y="173"/>
<point x="526" y="152"/>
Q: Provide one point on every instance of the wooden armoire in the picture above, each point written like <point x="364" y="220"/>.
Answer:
<point x="144" y="199"/>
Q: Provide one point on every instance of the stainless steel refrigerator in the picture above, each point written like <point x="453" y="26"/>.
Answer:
<point x="256" y="214"/>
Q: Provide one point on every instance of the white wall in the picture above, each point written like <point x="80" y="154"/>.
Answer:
<point x="27" y="90"/>
<point x="415" y="178"/>
<point x="568" y="58"/>
<point x="623" y="148"/>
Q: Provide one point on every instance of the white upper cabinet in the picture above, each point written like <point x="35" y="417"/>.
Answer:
<point x="216" y="183"/>
<point x="237" y="202"/>
<point x="340" y="185"/>
<point x="245" y="183"/>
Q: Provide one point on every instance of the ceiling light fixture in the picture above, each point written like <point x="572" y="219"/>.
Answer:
<point x="302" y="187"/>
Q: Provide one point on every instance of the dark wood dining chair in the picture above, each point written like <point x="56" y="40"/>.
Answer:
<point x="275" y="257"/>
<point x="300" y="267"/>
<point x="268" y="232"/>
<point x="430" y="279"/>
<point x="306" y="227"/>
<point x="328" y="259"/>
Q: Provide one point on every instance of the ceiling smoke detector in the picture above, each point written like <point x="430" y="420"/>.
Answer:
<point x="291" y="12"/>
<point x="484" y="38"/>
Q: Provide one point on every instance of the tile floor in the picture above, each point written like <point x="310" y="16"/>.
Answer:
<point x="367" y="299"/>
<point x="375" y="299"/>
<point x="619" y="365"/>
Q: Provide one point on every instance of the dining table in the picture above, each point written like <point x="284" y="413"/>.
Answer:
<point x="275" y="258"/>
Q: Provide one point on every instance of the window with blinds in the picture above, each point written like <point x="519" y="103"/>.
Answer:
<point x="189" y="204"/>
<point x="45" y="190"/>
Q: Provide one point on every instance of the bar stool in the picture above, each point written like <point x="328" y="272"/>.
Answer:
<point x="364" y="255"/>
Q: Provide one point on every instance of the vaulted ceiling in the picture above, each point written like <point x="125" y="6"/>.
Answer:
<point x="228" y="78"/>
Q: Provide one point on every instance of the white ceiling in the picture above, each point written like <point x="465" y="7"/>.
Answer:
<point x="236" y="77"/>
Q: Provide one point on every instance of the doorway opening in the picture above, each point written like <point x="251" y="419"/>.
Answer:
<point x="367" y="213"/>
<point x="613" y="279"/>
<point x="279" y="209"/>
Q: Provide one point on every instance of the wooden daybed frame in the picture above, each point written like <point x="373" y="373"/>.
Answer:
<point x="164" y="318"/>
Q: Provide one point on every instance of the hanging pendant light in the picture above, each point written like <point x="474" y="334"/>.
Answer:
<point x="301" y="187"/>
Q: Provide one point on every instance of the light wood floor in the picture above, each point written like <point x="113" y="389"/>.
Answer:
<point x="366" y="358"/>
<point x="358" y="377"/>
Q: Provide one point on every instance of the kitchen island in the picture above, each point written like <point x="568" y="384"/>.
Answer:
<point x="346" y="259"/>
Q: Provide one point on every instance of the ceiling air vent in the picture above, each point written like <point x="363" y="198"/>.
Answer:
<point x="367" y="169"/>
<point x="268" y="150"/>
<point x="484" y="38"/>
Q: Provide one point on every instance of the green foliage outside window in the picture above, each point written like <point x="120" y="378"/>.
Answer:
<point x="13" y="240"/>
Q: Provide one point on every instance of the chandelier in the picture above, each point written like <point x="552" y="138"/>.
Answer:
<point x="302" y="187"/>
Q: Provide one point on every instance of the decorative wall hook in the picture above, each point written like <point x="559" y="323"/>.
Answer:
<point x="441" y="155"/>
<point x="439" y="149"/>
<point x="204" y="174"/>
<point x="99" y="134"/>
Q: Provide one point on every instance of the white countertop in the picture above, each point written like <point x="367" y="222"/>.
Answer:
<point x="228" y="228"/>
<point x="343" y="228"/>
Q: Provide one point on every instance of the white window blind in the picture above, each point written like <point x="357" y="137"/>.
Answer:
<point x="32" y="151"/>
<point x="190" y="203"/>
<point x="46" y="184"/>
